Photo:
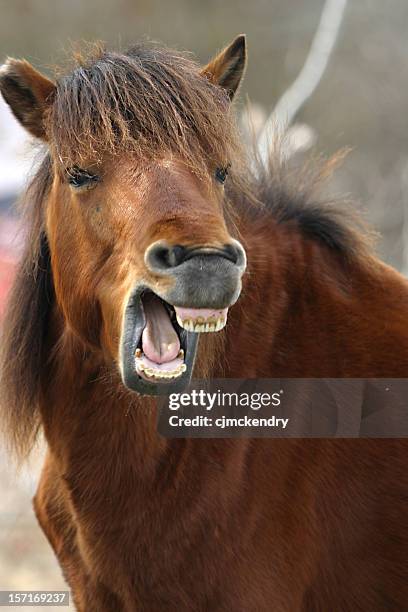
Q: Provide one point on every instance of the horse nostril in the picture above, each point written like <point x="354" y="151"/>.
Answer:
<point x="232" y="252"/>
<point x="236" y="254"/>
<point x="161" y="256"/>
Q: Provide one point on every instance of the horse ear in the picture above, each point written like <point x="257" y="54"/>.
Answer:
<point x="28" y="94"/>
<point x="227" y="68"/>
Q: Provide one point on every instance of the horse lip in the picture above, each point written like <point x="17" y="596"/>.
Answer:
<point x="133" y="325"/>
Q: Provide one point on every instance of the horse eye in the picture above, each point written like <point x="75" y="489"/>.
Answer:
<point x="81" y="179"/>
<point x="221" y="174"/>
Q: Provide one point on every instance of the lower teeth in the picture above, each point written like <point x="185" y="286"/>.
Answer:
<point x="152" y="373"/>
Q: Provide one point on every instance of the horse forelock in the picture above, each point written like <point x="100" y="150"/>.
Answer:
<point x="149" y="101"/>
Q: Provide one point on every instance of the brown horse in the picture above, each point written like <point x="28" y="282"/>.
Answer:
<point x="141" y="217"/>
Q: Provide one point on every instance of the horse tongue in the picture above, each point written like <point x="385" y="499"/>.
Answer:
<point x="160" y="342"/>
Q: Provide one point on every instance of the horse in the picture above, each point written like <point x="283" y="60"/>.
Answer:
<point x="153" y="253"/>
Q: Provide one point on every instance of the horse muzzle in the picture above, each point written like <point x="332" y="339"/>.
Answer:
<point x="204" y="277"/>
<point x="161" y="329"/>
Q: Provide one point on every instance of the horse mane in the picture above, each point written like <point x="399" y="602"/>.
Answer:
<point x="24" y="326"/>
<point x="295" y="196"/>
<point x="142" y="101"/>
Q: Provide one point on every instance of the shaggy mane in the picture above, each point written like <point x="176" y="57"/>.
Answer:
<point x="24" y="326"/>
<point x="297" y="196"/>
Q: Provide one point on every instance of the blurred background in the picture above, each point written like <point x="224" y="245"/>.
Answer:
<point x="337" y="70"/>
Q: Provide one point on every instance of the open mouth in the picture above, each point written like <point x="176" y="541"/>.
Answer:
<point x="160" y="352"/>
<point x="159" y="342"/>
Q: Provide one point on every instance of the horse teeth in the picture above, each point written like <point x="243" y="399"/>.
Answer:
<point x="200" y="325"/>
<point x="181" y="354"/>
<point x="220" y="324"/>
<point x="152" y="373"/>
<point x="138" y="353"/>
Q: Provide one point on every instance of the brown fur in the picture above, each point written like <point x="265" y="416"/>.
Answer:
<point x="143" y="523"/>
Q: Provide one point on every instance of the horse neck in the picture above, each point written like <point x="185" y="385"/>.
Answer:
<point x="296" y="295"/>
<point x="295" y="307"/>
<point x="87" y="412"/>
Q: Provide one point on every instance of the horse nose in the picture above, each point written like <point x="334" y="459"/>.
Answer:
<point x="203" y="276"/>
<point x="162" y="257"/>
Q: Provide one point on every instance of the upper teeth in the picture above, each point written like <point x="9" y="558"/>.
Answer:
<point x="200" y="325"/>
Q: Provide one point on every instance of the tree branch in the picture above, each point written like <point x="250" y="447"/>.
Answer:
<point x="308" y="79"/>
